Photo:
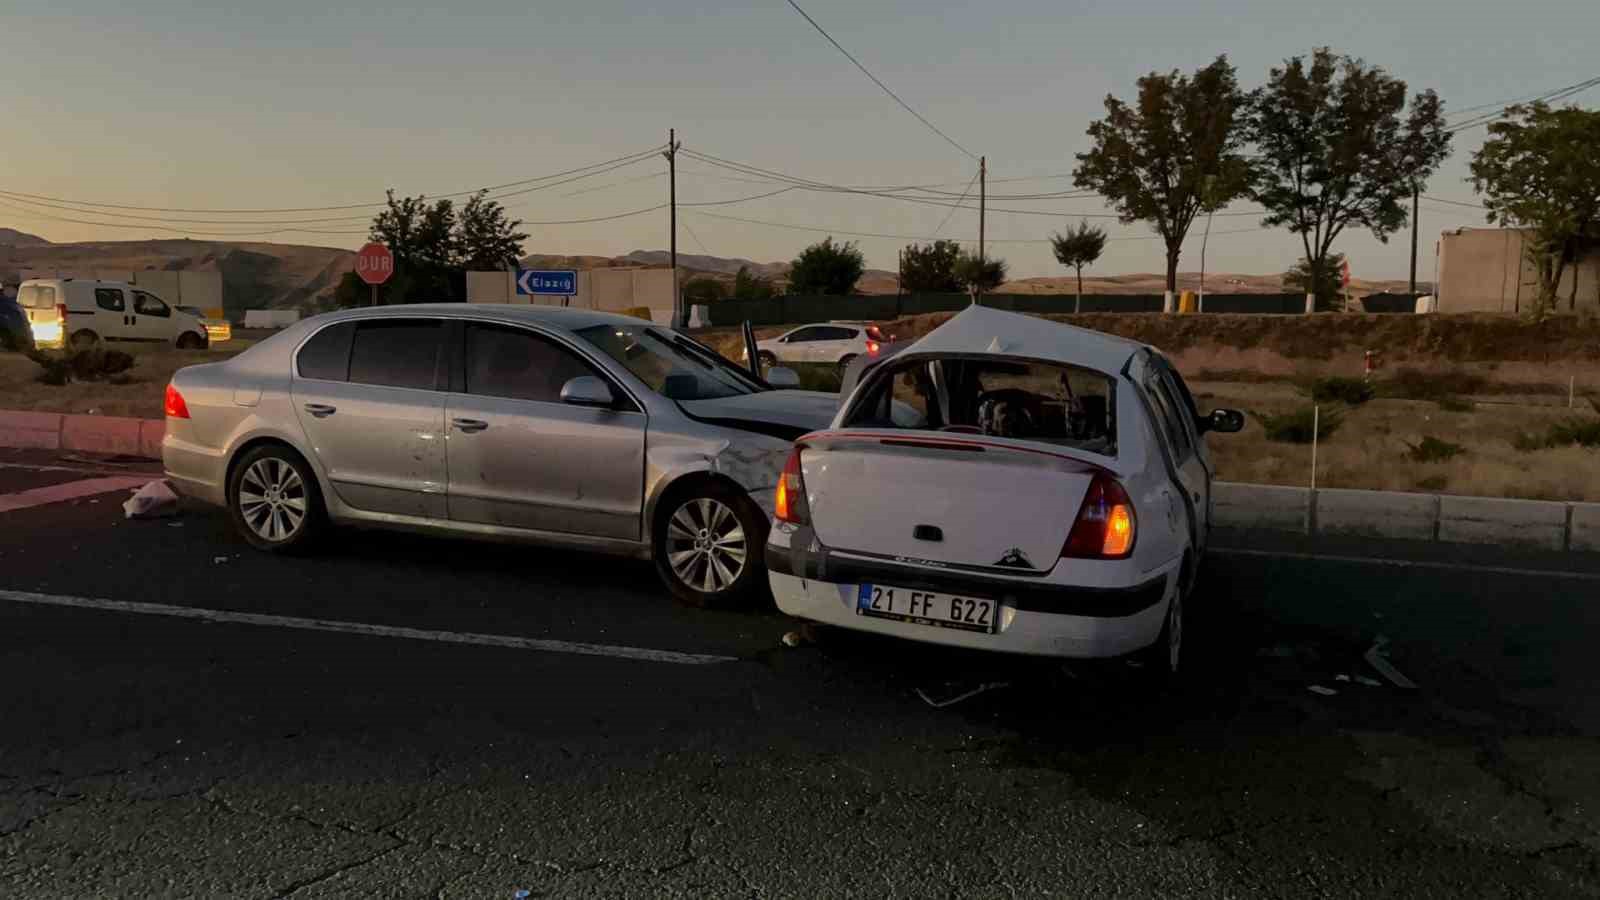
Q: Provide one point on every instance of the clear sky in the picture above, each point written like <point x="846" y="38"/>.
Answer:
<point x="306" y="103"/>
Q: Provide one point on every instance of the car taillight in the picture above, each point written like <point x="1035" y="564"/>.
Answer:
<point x="790" y="504"/>
<point x="174" y="405"/>
<point x="61" y="316"/>
<point x="1106" y="526"/>
<point x="872" y="346"/>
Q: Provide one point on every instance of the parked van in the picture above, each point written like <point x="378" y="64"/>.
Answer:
<point x="87" y="312"/>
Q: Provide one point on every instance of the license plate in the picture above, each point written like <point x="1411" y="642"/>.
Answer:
<point x="927" y="608"/>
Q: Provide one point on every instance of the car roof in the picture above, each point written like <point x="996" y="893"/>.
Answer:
<point x="90" y="281"/>
<point x="569" y="318"/>
<point x="985" y="330"/>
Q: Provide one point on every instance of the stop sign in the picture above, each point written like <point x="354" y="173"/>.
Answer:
<point x="374" y="263"/>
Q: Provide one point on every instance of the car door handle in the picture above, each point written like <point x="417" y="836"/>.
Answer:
<point x="470" y="426"/>
<point x="321" y="410"/>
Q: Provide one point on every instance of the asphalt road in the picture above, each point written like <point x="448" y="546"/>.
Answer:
<point x="153" y="753"/>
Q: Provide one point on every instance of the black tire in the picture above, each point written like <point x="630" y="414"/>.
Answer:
<point x="844" y="363"/>
<point x="191" y="341"/>
<point x="257" y="510"/>
<point x="687" y="521"/>
<point x="1162" y="662"/>
<point x="84" y="339"/>
<point x="767" y="359"/>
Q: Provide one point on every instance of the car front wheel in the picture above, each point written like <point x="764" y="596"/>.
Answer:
<point x="708" y="545"/>
<point x="273" y="500"/>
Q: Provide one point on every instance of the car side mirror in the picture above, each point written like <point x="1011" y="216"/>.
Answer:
<point x="1223" y="421"/>
<point x="587" y="390"/>
<point x="780" y="377"/>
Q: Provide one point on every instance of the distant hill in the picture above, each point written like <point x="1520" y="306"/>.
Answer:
<point x="14" y="238"/>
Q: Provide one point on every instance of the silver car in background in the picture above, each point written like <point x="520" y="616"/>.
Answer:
<point x="561" y="426"/>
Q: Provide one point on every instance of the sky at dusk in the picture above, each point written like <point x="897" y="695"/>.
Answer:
<point x="217" y="104"/>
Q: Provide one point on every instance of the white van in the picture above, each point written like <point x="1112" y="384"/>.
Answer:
<point x="87" y="312"/>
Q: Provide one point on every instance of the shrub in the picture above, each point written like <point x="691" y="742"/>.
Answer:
<point x="1562" y="434"/>
<point x="1339" y="389"/>
<point x="1434" y="450"/>
<point x="89" y="364"/>
<point x="1297" y="427"/>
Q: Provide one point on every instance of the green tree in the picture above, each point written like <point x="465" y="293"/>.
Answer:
<point x="1337" y="147"/>
<point x="826" y="268"/>
<point x="1078" y="247"/>
<point x="978" y="276"/>
<point x="704" y="290"/>
<point x="422" y="237"/>
<point x="1540" y="170"/>
<point x="1151" y="160"/>
<point x="749" y="286"/>
<point x="485" y="239"/>
<point x="1324" y="282"/>
<point x="930" y="269"/>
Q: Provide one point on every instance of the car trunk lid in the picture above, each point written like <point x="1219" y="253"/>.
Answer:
<point x="969" y="501"/>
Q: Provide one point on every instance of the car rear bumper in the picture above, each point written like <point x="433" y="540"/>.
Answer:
<point x="1037" y="619"/>
<point x="193" y="470"/>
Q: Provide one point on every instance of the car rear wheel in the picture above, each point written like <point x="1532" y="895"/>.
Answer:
<point x="709" y="540"/>
<point x="1162" y="660"/>
<point x="190" y="341"/>
<point x="84" y="339"/>
<point x="273" y="500"/>
<point x="767" y="358"/>
<point x="844" y="363"/>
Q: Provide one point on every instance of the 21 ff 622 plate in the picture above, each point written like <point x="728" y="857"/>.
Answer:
<point x="920" y="607"/>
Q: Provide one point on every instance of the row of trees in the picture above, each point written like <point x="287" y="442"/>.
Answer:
<point x="432" y="243"/>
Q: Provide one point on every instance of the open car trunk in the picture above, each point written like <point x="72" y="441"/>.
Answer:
<point x="961" y="500"/>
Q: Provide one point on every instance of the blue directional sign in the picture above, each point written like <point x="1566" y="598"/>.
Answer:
<point x="557" y="282"/>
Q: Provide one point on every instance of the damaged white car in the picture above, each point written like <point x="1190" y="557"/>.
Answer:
<point x="1006" y="483"/>
<point x="561" y="426"/>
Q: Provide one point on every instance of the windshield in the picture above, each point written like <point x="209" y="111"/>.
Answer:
<point x="672" y="365"/>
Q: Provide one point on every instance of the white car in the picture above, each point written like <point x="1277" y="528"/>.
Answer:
<point x="1006" y="483"/>
<point x="831" y="343"/>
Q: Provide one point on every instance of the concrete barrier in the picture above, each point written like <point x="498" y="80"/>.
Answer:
<point x="102" y="434"/>
<point x="1263" y="506"/>
<point x="1386" y="514"/>
<point x="1583" y="529"/>
<point x="1488" y="520"/>
<point x="34" y="430"/>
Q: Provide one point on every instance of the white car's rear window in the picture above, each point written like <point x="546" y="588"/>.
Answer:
<point x="993" y="396"/>
<point x="36" y="296"/>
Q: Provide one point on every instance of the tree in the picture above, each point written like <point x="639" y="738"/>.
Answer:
<point x="704" y="290"/>
<point x="749" y="286"/>
<point x="1336" y="147"/>
<point x="422" y="237"/>
<point x="826" y="268"/>
<point x="1539" y="170"/>
<point x="978" y="276"/>
<point x="1079" y="247"/>
<point x="485" y="239"/>
<point x="1325" y="283"/>
<point x="1151" y="160"/>
<point x="930" y="269"/>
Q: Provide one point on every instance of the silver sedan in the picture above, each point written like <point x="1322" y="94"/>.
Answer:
<point x="560" y="426"/>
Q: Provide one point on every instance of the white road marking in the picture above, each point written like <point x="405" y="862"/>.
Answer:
<point x="1410" y="564"/>
<point x="362" y="628"/>
<point x="71" y="490"/>
<point x="106" y="469"/>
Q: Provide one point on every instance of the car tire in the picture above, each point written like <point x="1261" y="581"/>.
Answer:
<point x="1162" y="661"/>
<point x="844" y="363"/>
<point x="700" y="533"/>
<point x="767" y="359"/>
<point x="191" y="341"/>
<point x="84" y="339"/>
<point x="274" y="500"/>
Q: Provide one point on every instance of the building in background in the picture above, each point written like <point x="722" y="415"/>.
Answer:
<point x="1486" y="270"/>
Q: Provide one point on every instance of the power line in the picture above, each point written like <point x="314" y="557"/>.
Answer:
<point x="915" y="237"/>
<point x="302" y="209"/>
<point x="1526" y="98"/>
<point x="612" y="184"/>
<point x="168" y="228"/>
<point x="903" y="105"/>
<point x="946" y="220"/>
<point x="1556" y="95"/>
<point x="1454" y="202"/>
<point x="697" y="241"/>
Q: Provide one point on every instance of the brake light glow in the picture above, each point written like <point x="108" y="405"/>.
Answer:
<point x="1106" y="527"/>
<point x="872" y="347"/>
<point x="174" y="405"/>
<point x="790" y="504"/>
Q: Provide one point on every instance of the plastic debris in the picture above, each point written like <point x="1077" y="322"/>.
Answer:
<point x="1369" y="682"/>
<point x="792" y="639"/>
<point x="1341" y="678"/>
<point x="1377" y="657"/>
<point x="1319" y="689"/>
<point x="521" y="894"/>
<point x="153" y="501"/>
<point x="218" y="560"/>
<point x="943" y="702"/>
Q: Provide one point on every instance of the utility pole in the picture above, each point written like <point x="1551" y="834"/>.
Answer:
<point x="1208" y="191"/>
<point x="680" y="317"/>
<point x="983" y="202"/>
<point x="1416" y="195"/>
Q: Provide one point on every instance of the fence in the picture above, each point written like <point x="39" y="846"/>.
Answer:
<point x="791" y="310"/>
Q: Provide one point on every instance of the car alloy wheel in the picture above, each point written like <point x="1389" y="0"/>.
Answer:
<point x="1175" y="631"/>
<point x="706" y="546"/>
<point x="272" y="500"/>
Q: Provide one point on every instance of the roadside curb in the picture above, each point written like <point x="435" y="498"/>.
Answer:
<point x="1540" y="524"/>
<point x="89" y="434"/>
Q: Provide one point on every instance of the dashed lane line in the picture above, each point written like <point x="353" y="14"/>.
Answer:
<point x="364" y="629"/>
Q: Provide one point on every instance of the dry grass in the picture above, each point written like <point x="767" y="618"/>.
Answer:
<point x="140" y="395"/>
<point x="1373" y="448"/>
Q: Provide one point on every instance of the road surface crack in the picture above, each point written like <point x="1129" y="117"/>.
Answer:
<point x="336" y="871"/>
